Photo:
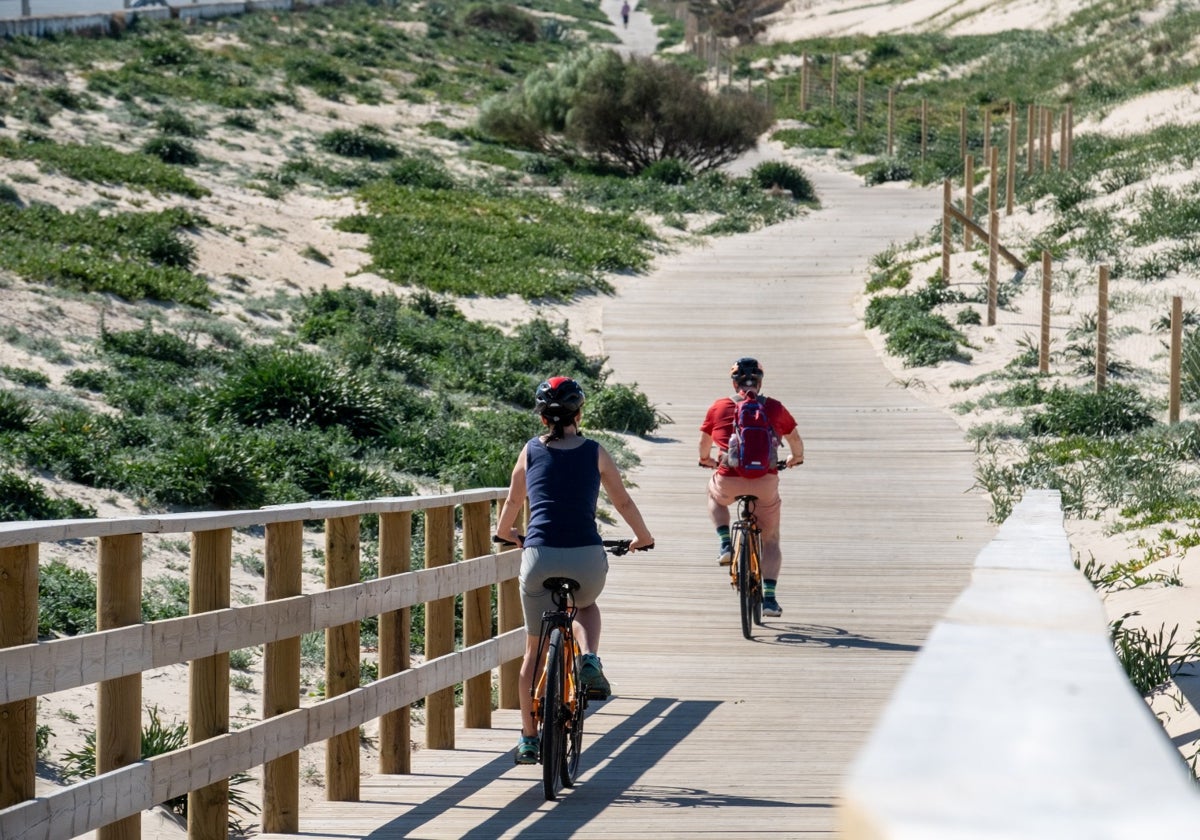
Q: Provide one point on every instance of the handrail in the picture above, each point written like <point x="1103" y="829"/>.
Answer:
<point x="1016" y="719"/>
<point x="114" y="655"/>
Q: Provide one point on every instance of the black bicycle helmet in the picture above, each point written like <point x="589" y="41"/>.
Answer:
<point x="746" y="372"/>
<point x="559" y="399"/>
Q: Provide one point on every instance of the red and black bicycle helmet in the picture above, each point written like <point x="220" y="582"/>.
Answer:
<point x="746" y="373"/>
<point x="559" y="399"/>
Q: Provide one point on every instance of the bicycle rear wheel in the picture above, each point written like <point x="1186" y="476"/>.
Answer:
<point x="554" y="734"/>
<point x="745" y="583"/>
<point x="574" y="728"/>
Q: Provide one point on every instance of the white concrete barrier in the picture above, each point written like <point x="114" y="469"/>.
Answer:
<point x="1016" y="720"/>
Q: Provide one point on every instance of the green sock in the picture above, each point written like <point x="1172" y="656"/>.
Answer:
<point x="768" y="589"/>
<point x="723" y="533"/>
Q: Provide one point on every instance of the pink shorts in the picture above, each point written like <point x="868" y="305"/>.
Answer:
<point x="724" y="490"/>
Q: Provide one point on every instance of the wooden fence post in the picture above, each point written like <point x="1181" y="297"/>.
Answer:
<point x="119" y="703"/>
<point x="439" y="628"/>
<point x="1102" y="331"/>
<point x="803" y="82"/>
<point x="284" y="556"/>
<point x="1062" y="141"/>
<point x="891" y="121"/>
<point x="18" y="720"/>
<point x="1047" y="139"/>
<point x="395" y="557"/>
<point x="1044" y="342"/>
<point x="962" y="132"/>
<point x="924" y="126"/>
<point x="511" y="616"/>
<point x="1010" y="179"/>
<point x="208" y="679"/>
<point x="1032" y="130"/>
<point x="1176" y="358"/>
<point x="993" y="265"/>
<point x="477" y="615"/>
<point x="968" y="198"/>
<point x="341" y="658"/>
<point x="947" y="198"/>
<point x="1069" y="149"/>
<point x="861" y="102"/>
<point x="987" y="133"/>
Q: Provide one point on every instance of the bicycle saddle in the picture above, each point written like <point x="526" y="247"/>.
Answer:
<point x="571" y="584"/>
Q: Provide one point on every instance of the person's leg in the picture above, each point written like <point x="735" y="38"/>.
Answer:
<point x="528" y="666"/>
<point x="767" y="511"/>
<point x="587" y="628"/>
<point x="718" y="510"/>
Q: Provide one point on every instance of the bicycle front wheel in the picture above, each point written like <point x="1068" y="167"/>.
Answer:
<point x="574" y="726"/>
<point x="756" y="579"/>
<point x="745" y="582"/>
<point x="554" y="733"/>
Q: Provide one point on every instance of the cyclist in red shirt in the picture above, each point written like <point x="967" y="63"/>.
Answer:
<point x="725" y="485"/>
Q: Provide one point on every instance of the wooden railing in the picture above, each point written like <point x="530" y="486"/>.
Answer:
<point x="114" y="657"/>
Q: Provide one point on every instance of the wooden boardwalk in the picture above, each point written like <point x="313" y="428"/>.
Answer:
<point x="711" y="735"/>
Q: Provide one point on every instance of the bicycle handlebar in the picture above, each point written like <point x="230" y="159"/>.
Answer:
<point x="614" y="547"/>
<point x="779" y="465"/>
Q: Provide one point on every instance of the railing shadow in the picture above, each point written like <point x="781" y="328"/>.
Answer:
<point x="633" y="748"/>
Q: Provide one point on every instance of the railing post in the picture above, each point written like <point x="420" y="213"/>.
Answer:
<point x="477" y="615"/>
<point x="947" y="224"/>
<point x="341" y="658"/>
<point x="395" y="557"/>
<point x="18" y="626"/>
<point x="1044" y="342"/>
<point x="439" y="628"/>
<point x="1102" y="331"/>
<point x="119" y="702"/>
<point x="208" y="680"/>
<point x="1175" y="377"/>
<point x="281" y="677"/>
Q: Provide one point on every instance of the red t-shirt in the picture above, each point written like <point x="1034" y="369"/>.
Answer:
<point x="718" y="422"/>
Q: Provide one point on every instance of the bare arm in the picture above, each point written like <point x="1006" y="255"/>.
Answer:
<point x="610" y="479"/>
<point x="506" y="525"/>
<point x="706" y="446"/>
<point x="796" y="447"/>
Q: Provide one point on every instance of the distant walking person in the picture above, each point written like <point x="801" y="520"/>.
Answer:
<point x="625" y="13"/>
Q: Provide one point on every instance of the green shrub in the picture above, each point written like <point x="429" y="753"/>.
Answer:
<point x="769" y="174"/>
<point x="1116" y="410"/>
<point x="66" y="600"/>
<point x="503" y="19"/>
<point x="417" y="172"/>
<point x="16" y="414"/>
<point x="25" y="376"/>
<point x="173" y="121"/>
<point x="357" y="143"/>
<point x="21" y="499"/>
<point x="172" y="150"/>
<point x="299" y="389"/>
<point x="670" y="171"/>
<point x="620" y="408"/>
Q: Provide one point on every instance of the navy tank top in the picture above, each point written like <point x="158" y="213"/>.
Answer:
<point x="563" y="486"/>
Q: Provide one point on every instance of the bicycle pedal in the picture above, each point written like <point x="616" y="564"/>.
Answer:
<point x="592" y="694"/>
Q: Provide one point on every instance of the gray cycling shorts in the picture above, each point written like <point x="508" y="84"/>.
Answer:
<point x="587" y="564"/>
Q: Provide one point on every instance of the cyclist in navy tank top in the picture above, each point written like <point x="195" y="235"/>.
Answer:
<point x="561" y="474"/>
<point x="563" y="485"/>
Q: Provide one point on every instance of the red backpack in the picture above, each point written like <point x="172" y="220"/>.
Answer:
<point x="751" y="452"/>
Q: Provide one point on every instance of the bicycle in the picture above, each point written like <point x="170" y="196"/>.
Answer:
<point x="745" y="575"/>
<point x="559" y="696"/>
